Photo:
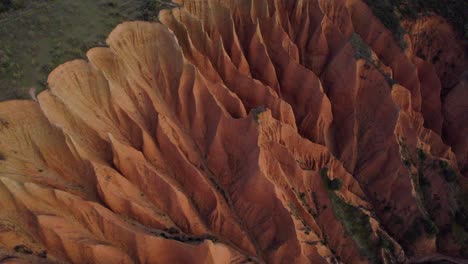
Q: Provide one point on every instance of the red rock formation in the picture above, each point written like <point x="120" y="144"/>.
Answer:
<point x="434" y="40"/>
<point x="238" y="131"/>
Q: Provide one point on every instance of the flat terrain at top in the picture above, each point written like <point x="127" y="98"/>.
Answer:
<point x="36" y="36"/>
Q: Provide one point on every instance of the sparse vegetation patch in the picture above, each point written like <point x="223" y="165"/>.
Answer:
<point x="390" y="12"/>
<point x="363" y="51"/>
<point x="447" y="172"/>
<point x="355" y="222"/>
<point x="39" y="35"/>
<point x="385" y="11"/>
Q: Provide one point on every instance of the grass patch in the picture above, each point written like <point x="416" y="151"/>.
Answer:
<point x="363" y="51"/>
<point x="429" y="204"/>
<point x="422" y="185"/>
<point x="355" y="222"/>
<point x="384" y="10"/>
<point x="39" y="35"/>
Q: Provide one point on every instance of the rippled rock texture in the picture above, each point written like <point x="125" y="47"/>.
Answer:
<point x="240" y="131"/>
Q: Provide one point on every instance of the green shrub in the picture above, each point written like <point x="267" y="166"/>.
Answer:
<point x="430" y="227"/>
<point x="422" y="156"/>
<point x="423" y="181"/>
<point x="450" y="175"/>
<point x="331" y="185"/>
<point x="335" y="184"/>
<point x="324" y="173"/>
<point x="303" y="198"/>
<point x="447" y="172"/>
<point x="361" y="49"/>
<point x="257" y="111"/>
<point x="385" y="11"/>
<point x="407" y="163"/>
<point x="23" y="249"/>
<point x="172" y="230"/>
<point x="389" y="79"/>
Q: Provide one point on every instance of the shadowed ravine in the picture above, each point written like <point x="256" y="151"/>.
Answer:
<point x="239" y="131"/>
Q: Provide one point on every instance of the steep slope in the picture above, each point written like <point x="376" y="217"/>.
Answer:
<point x="234" y="131"/>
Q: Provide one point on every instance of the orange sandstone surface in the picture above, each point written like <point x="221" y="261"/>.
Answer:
<point x="241" y="131"/>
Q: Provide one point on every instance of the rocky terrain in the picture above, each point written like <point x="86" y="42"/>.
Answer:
<point x="244" y="131"/>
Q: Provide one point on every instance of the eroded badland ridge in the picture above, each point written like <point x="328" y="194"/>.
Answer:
<point x="238" y="131"/>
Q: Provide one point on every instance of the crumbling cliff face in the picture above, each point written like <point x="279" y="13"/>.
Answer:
<point x="239" y="131"/>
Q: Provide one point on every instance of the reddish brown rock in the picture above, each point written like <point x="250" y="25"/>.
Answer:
<point x="238" y="131"/>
